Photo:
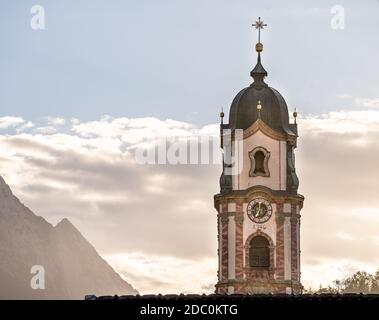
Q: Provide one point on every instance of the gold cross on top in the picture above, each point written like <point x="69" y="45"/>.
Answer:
<point x="259" y="25"/>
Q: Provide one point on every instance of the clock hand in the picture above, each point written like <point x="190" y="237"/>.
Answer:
<point x="259" y="211"/>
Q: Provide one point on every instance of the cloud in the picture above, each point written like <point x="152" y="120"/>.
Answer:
<point x="368" y="103"/>
<point x="56" y="121"/>
<point x="344" y="236"/>
<point x="46" y="130"/>
<point x="325" y="271"/>
<point x="344" y="96"/>
<point x="157" y="271"/>
<point x="337" y="163"/>
<point x="164" y="214"/>
<point x="341" y="122"/>
<point x="13" y="122"/>
<point x="364" y="103"/>
<point x="90" y="175"/>
<point x="133" y="130"/>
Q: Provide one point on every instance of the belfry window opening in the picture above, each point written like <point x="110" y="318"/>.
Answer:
<point x="259" y="252"/>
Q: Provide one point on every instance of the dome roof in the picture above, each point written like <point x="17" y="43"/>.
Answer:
<point x="243" y="111"/>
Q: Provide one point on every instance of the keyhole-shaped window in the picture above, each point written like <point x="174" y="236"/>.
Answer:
<point x="259" y="162"/>
<point x="259" y="158"/>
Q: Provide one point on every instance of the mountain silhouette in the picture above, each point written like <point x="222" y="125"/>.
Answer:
<point x="71" y="264"/>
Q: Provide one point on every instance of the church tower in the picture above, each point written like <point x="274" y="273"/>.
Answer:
<point x="258" y="205"/>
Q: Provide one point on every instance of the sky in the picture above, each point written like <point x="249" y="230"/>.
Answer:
<point x="181" y="59"/>
<point x="106" y="77"/>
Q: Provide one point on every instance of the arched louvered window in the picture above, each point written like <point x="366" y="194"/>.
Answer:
<point x="259" y="252"/>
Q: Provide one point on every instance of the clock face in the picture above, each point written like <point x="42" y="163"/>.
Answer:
<point x="259" y="210"/>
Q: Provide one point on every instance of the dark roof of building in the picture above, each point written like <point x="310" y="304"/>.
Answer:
<point x="240" y="297"/>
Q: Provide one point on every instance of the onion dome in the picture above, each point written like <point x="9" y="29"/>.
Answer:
<point x="274" y="112"/>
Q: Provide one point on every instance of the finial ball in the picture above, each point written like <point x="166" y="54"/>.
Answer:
<point x="259" y="47"/>
<point x="295" y="114"/>
<point x="222" y="114"/>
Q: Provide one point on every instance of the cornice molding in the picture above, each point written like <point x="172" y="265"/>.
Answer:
<point x="260" y="125"/>
<point x="278" y="197"/>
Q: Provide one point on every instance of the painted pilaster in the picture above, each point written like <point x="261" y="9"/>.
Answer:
<point x="239" y="243"/>
<point x="294" y="249"/>
<point x="279" y="242"/>
<point x="224" y="219"/>
<point x="287" y="248"/>
<point x="231" y="248"/>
